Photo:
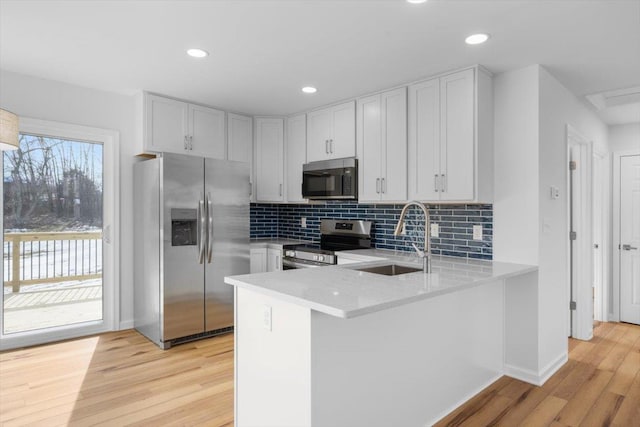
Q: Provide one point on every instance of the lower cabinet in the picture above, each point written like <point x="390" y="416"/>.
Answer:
<point x="265" y="260"/>
<point x="258" y="262"/>
<point x="274" y="259"/>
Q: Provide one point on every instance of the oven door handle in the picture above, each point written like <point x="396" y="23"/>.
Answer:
<point x="294" y="264"/>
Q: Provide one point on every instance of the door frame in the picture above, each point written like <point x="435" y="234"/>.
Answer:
<point x="110" y="140"/>
<point x="615" y="234"/>
<point x="581" y="319"/>
<point x="601" y="232"/>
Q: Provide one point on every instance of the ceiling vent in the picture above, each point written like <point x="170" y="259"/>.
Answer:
<point x="614" y="98"/>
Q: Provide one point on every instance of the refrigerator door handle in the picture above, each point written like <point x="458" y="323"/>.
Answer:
<point x="209" y="228"/>
<point x="201" y="228"/>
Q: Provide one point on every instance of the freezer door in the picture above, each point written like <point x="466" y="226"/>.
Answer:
<point x="227" y="199"/>
<point x="182" y="246"/>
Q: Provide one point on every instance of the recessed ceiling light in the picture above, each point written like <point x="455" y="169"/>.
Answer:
<point x="477" y="38"/>
<point x="309" y="89"/>
<point x="197" y="53"/>
<point x="416" y="1"/>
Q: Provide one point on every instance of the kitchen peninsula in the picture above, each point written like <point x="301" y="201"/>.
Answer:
<point x="343" y="346"/>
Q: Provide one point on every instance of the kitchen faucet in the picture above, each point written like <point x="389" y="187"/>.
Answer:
<point x="426" y="253"/>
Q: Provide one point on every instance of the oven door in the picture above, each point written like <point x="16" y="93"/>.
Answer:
<point x="291" y="264"/>
<point x="339" y="183"/>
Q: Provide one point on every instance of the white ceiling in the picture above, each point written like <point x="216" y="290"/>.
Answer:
<point x="263" y="51"/>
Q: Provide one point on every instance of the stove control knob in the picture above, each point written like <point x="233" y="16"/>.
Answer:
<point x="291" y="254"/>
<point x="315" y="257"/>
<point x="321" y="258"/>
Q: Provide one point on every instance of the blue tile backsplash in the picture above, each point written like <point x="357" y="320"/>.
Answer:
<point x="456" y="225"/>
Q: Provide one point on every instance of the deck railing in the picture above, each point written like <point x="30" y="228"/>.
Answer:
<point x="34" y="258"/>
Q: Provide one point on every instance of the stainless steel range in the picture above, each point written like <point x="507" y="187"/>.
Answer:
<point x="335" y="235"/>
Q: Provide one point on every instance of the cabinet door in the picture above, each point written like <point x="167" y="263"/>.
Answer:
<point x="343" y="137"/>
<point x="369" y="149"/>
<point x="206" y="130"/>
<point x="457" y="136"/>
<point x="274" y="259"/>
<point x="270" y="160"/>
<point x="258" y="263"/>
<point x="165" y="125"/>
<point x="394" y="145"/>
<point x="240" y="143"/>
<point x="424" y="141"/>
<point x="318" y="134"/>
<point x="296" y="154"/>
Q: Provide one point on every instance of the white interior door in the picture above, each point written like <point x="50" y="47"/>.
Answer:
<point x="630" y="239"/>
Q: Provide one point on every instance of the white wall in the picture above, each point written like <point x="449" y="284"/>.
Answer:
<point x="532" y="110"/>
<point x="624" y="137"/>
<point x="515" y="206"/>
<point x="49" y="100"/>
<point x="558" y="107"/>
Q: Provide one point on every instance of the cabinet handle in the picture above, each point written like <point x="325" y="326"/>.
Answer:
<point x="435" y="183"/>
<point x="278" y="262"/>
<point x="629" y="248"/>
<point x="191" y="142"/>
<point x="186" y="144"/>
<point x="378" y="185"/>
<point x="383" y="187"/>
<point x="326" y="146"/>
<point x="280" y="189"/>
<point x="444" y="183"/>
<point x="331" y="145"/>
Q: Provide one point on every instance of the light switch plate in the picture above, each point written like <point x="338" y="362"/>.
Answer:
<point x="477" y="232"/>
<point x="303" y="222"/>
<point x="435" y="230"/>
<point x="266" y="317"/>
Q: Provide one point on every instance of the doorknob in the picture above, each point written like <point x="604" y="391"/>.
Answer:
<point x="628" y="248"/>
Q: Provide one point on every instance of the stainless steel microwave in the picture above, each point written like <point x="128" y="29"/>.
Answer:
<point x="331" y="179"/>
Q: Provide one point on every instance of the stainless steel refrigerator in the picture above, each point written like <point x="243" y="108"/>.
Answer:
<point x="191" y="229"/>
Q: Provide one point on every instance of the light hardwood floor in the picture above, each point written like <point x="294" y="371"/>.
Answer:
<point x="120" y="379"/>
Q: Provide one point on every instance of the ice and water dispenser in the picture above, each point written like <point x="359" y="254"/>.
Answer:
<point x="184" y="227"/>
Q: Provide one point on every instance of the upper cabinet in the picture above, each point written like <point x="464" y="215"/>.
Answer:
<point x="269" y="160"/>
<point x="451" y="138"/>
<point x="178" y="127"/>
<point x="331" y="132"/>
<point x="295" y="154"/>
<point x="382" y="147"/>
<point x="240" y="143"/>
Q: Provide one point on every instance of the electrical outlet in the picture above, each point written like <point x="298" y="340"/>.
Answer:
<point x="303" y="222"/>
<point x="477" y="232"/>
<point x="435" y="230"/>
<point x="554" y="192"/>
<point x="266" y="317"/>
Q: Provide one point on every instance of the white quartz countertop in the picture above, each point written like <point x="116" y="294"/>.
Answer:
<point x="343" y="291"/>
<point x="269" y="242"/>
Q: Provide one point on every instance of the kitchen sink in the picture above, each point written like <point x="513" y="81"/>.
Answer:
<point x="389" y="269"/>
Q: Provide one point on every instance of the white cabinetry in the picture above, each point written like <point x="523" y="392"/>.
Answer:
<point x="274" y="259"/>
<point x="450" y="138"/>
<point x="296" y="154"/>
<point x="269" y="160"/>
<point x="331" y="132"/>
<point x="382" y="147"/>
<point x="179" y="127"/>
<point x="258" y="260"/>
<point x="240" y="143"/>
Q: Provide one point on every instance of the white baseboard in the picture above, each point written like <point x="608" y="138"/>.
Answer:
<point x="536" y="378"/>
<point x="463" y="400"/>
<point x="125" y="324"/>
